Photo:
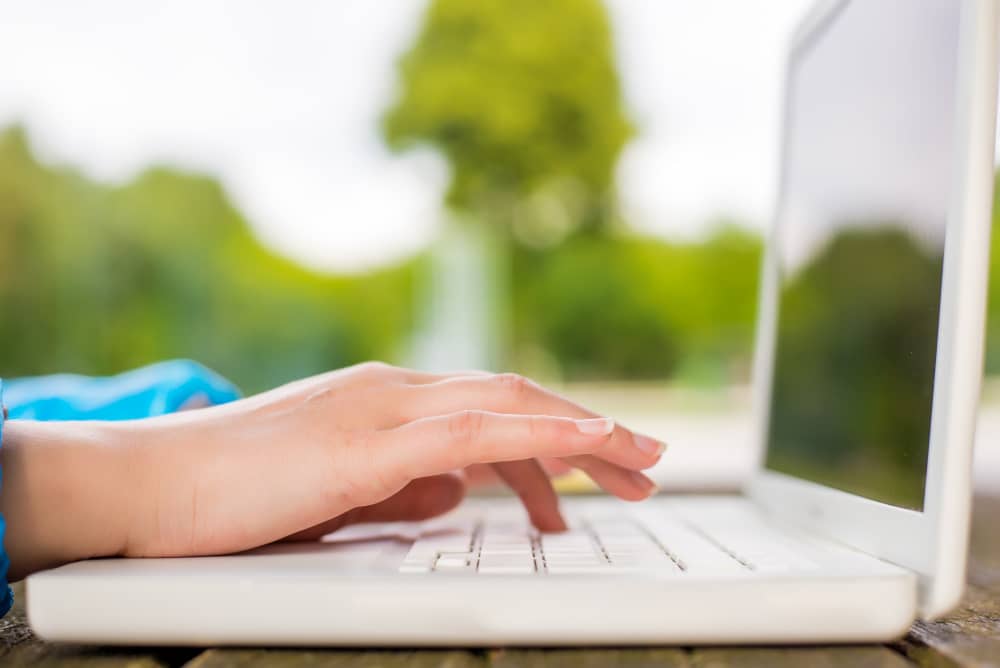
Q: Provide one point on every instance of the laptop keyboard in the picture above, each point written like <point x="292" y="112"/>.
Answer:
<point x="606" y="546"/>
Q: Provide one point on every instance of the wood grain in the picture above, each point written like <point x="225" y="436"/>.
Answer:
<point x="814" y="657"/>
<point x="217" y="658"/>
<point x="590" y="658"/>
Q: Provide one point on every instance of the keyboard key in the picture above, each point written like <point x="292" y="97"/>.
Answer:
<point x="507" y="563"/>
<point x="515" y="546"/>
<point x="567" y="559"/>
<point x="421" y="553"/>
<point x="516" y="551"/>
<point x="454" y="562"/>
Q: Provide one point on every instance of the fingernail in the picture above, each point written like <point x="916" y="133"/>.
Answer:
<point x="650" y="445"/>
<point x="596" y="426"/>
<point x="645" y="483"/>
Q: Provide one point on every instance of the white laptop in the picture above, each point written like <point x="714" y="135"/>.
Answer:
<point x="868" y="370"/>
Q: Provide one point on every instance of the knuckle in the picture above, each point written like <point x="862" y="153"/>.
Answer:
<point x="513" y="384"/>
<point x="466" y="426"/>
<point x="374" y="369"/>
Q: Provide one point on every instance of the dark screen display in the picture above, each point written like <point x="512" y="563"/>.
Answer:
<point x="860" y="238"/>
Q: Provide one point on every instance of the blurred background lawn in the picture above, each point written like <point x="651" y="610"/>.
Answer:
<point x="571" y="189"/>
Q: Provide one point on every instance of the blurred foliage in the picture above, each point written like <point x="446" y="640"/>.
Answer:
<point x="96" y="279"/>
<point x="628" y="307"/>
<point x="854" y="365"/>
<point x="523" y="100"/>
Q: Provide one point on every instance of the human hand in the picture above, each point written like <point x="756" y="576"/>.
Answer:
<point x="367" y="443"/>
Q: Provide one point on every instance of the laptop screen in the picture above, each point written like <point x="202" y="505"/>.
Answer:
<point x="860" y="240"/>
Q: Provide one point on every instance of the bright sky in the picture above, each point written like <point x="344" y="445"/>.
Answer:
<point x="280" y="100"/>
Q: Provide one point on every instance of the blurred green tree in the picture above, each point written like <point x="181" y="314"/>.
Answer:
<point x="523" y="100"/>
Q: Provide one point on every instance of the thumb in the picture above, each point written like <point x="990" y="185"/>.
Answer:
<point x="421" y="499"/>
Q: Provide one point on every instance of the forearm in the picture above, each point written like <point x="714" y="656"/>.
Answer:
<point x="67" y="493"/>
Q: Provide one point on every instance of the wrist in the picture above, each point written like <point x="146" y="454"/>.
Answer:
<point x="66" y="493"/>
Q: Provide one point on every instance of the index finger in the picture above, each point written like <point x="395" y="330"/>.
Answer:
<point x="510" y="393"/>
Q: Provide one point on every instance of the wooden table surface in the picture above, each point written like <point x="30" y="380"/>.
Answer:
<point x="969" y="637"/>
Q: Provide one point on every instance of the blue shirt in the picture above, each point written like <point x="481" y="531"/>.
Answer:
<point x="158" y="389"/>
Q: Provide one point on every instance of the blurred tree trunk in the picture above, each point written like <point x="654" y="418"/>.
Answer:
<point x="465" y="293"/>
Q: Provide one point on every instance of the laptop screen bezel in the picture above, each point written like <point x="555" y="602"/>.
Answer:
<point x="931" y="542"/>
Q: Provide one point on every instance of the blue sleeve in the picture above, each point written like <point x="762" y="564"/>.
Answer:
<point x="153" y="390"/>
<point x="6" y="595"/>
